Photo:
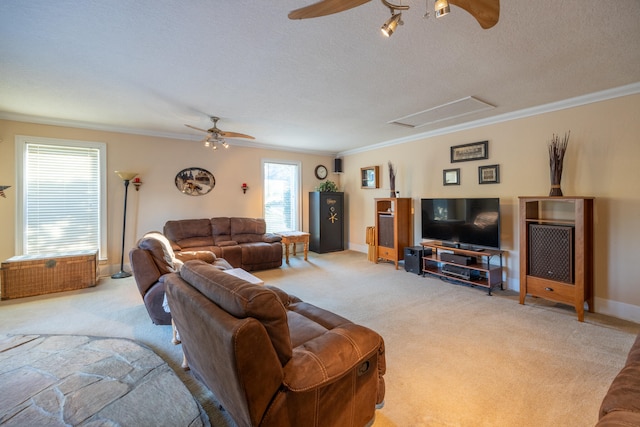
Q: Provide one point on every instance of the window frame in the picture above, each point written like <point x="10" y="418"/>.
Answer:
<point x="298" y="165"/>
<point x="21" y="145"/>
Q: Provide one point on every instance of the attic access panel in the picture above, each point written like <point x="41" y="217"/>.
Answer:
<point x="461" y="107"/>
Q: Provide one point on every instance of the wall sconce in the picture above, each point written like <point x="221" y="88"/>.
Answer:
<point x="244" y="187"/>
<point x="137" y="182"/>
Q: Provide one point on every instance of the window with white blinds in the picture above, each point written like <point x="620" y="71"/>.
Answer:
<point x="62" y="196"/>
<point x="281" y="195"/>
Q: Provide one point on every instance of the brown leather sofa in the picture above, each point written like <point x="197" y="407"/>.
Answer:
<point x="151" y="260"/>
<point x="243" y="242"/>
<point x="272" y="359"/>
<point x="621" y="404"/>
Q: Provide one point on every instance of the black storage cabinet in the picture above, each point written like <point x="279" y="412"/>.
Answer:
<point x="326" y="221"/>
<point x="413" y="259"/>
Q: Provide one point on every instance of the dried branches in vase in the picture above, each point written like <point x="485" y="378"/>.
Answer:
<point x="392" y="180"/>
<point x="557" y="149"/>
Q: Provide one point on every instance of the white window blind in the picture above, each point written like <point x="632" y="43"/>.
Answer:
<point x="61" y="197"/>
<point x="281" y="196"/>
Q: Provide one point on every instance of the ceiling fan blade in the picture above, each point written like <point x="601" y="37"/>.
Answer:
<point x="486" y="12"/>
<point x="325" y="7"/>
<point x="234" y="135"/>
<point x="193" y="127"/>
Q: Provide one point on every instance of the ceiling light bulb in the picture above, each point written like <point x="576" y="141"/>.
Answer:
<point x="442" y="8"/>
<point x="207" y="144"/>
<point x="390" y="26"/>
<point x="224" y="144"/>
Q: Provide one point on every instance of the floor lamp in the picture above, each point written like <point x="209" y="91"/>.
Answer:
<point x="126" y="177"/>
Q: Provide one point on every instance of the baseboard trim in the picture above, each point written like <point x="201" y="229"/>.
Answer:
<point x="617" y="309"/>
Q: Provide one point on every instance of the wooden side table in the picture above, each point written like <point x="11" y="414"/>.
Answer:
<point x="293" y="237"/>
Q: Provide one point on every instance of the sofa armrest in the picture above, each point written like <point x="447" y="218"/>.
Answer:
<point x="206" y="256"/>
<point x="271" y="238"/>
<point x="329" y="356"/>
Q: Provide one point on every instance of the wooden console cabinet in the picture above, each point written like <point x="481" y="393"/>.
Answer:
<point x="480" y="273"/>
<point x="394" y="228"/>
<point x="556" y="250"/>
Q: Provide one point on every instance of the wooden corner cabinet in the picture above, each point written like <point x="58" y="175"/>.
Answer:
<point x="394" y="228"/>
<point x="556" y="250"/>
<point x="478" y="271"/>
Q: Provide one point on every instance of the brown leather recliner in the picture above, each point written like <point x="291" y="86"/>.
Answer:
<point x="151" y="260"/>
<point x="272" y="359"/>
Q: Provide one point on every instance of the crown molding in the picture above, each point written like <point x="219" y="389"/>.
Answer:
<point x="618" y="92"/>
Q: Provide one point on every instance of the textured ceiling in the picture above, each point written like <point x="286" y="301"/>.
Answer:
<point x="329" y="84"/>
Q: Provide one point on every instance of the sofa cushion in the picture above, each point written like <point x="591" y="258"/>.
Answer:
<point x="248" y="230"/>
<point x="196" y="243"/>
<point x="221" y="230"/>
<point x="243" y="299"/>
<point x="187" y="228"/>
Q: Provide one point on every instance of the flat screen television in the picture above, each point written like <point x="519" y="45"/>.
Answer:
<point x="472" y="223"/>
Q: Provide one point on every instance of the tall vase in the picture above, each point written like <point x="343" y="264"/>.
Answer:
<point x="556" y="191"/>
<point x="557" y="150"/>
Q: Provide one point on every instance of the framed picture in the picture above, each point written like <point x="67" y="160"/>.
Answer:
<point x="451" y="177"/>
<point x="473" y="151"/>
<point x="489" y="174"/>
<point x="195" y="181"/>
<point x="370" y="177"/>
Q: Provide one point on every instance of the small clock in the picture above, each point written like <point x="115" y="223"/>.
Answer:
<point x="321" y="172"/>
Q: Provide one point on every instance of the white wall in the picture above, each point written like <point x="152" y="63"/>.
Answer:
<point x="601" y="161"/>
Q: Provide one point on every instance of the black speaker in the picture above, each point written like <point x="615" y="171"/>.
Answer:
<point x="413" y="259"/>
<point x="551" y="252"/>
<point x="337" y="165"/>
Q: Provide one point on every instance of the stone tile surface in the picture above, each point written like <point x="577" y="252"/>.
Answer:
<point x="57" y="380"/>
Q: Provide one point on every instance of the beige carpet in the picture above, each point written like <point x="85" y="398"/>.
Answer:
<point x="455" y="356"/>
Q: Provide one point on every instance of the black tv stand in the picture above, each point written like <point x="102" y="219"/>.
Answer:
<point x="483" y="273"/>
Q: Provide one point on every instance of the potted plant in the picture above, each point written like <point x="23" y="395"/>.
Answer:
<point x="328" y="186"/>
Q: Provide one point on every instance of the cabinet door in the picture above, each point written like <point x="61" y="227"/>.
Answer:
<point x="386" y="233"/>
<point x="331" y="222"/>
<point x="326" y="222"/>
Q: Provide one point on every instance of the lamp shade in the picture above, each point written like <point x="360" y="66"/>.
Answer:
<point x="126" y="176"/>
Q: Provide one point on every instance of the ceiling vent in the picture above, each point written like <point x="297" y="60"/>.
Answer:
<point x="451" y="110"/>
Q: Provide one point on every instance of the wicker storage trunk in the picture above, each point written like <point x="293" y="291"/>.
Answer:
<point x="29" y="275"/>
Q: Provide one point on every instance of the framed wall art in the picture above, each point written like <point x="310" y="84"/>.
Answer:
<point x="195" y="181"/>
<point x="489" y="174"/>
<point x="370" y="177"/>
<point x="451" y="177"/>
<point x="467" y="152"/>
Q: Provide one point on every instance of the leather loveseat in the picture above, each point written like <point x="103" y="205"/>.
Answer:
<point x="151" y="260"/>
<point x="272" y="359"/>
<point x="243" y="242"/>
<point x="621" y="404"/>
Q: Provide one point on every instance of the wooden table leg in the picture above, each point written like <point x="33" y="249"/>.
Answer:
<point x="306" y="248"/>
<point x="286" y="251"/>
